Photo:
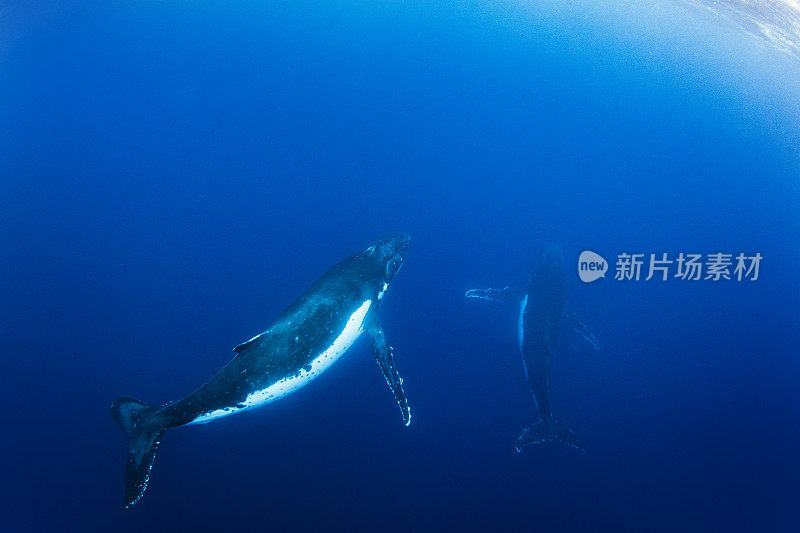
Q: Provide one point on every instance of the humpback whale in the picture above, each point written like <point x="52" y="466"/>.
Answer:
<point x="541" y="317"/>
<point x="301" y="344"/>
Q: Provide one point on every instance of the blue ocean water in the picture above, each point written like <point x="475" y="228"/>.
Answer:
<point x="175" y="174"/>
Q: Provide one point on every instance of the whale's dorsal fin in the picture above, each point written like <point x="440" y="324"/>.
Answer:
<point x="247" y="344"/>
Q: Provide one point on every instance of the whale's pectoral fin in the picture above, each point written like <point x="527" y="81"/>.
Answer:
<point x="505" y="294"/>
<point x="385" y="357"/>
<point x="582" y="329"/>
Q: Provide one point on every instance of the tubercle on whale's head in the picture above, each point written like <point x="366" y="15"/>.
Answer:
<point x="385" y="256"/>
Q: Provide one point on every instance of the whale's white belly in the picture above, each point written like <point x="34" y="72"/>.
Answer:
<point x="352" y="330"/>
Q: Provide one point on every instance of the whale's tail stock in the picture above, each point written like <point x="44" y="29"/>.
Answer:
<point x="144" y="435"/>
<point x="548" y="429"/>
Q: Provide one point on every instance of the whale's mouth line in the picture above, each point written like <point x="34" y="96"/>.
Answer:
<point x="394" y="265"/>
<point x="395" y="262"/>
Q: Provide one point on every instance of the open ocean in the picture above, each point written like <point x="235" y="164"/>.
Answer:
<point x="173" y="175"/>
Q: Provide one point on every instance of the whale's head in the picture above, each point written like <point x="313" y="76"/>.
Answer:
<point x="552" y="259"/>
<point x="384" y="257"/>
<point x="548" y="277"/>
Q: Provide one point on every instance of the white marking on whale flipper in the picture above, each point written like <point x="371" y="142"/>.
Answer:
<point x="352" y="330"/>
<point x="521" y="331"/>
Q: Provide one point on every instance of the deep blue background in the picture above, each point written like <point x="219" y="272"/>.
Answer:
<point x="174" y="174"/>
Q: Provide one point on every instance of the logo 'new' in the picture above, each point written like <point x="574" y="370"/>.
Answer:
<point x="591" y="266"/>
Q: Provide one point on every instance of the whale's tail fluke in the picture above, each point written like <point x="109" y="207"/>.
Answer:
<point x="548" y="429"/>
<point x="144" y="434"/>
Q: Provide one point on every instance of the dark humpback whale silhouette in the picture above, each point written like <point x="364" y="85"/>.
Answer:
<point x="541" y="317"/>
<point x="302" y="343"/>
